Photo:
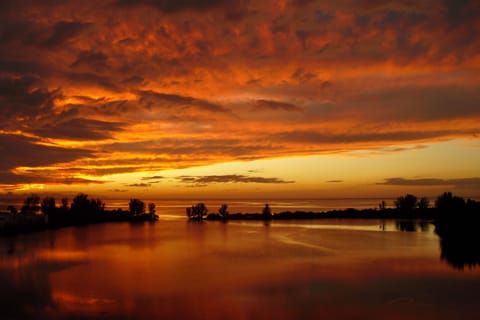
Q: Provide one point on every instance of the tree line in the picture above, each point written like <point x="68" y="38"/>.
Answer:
<point x="199" y="211"/>
<point x="81" y="210"/>
<point x="408" y="206"/>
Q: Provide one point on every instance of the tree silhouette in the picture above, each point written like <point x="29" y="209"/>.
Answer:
<point x="80" y="203"/>
<point x="448" y="202"/>
<point x="223" y="211"/>
<point x="267" y="212"/>
<point x="64" y="204"/>
<point x="197" y="212"/>
<point x="406" y="203"/>
<point x="97" y="205"/>
<point x="12" y="209"/>
<point x="382" y="205"/>
<point x="423" y="203"/>
<point x="31" y="204"/>
<point x="457" y="224"/>
<point x="136" y="207"/>
<point x="151" y="208"/>
<point x="48" y="206"/>
<point x="84" y="210"/>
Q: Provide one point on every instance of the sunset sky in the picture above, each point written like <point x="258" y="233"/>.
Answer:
<point x="240" y="99"/>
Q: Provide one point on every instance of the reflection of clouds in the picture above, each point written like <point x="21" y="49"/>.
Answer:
<point x="26" y="286"/>
<point x="179" y="270"/>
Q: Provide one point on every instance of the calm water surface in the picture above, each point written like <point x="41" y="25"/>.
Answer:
<point x="174" y="269"/>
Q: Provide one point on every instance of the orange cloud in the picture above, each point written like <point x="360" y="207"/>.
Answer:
<point x="128" y="86"/>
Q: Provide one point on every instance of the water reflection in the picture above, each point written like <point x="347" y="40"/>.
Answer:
<point x="179" y="270"/>
<point x="461" y="253"/>
<point x="459" y="246"/>
<point x="413" y="226"/>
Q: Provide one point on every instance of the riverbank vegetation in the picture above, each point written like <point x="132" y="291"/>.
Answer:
<point x="36" y="214"/>
<point x="446" y="207"/>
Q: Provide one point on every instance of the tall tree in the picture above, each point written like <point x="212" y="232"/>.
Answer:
<point x="31" y="204"/>
<point x="267" y="212"/>
<point x="197" y="212"/>
<point x="151" y="208"/>
<point x="136" y="206"/>
<point x="223" y="211"/>
<point x="48" y="205"/>
<point x="406" y="203"/>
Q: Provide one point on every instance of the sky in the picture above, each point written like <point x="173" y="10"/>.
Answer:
<point x="239" y="99"/>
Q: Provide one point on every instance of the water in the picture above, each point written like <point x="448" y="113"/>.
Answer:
<point x="174" y="269"/>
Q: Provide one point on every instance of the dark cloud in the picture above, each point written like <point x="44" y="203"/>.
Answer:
<point x="415" y="104"/>
<point x="102" y="106"/>
<point x="401" y="149"/>
<point x="300" y="3"/>
<point x="88" y="78"/>
<point x="234" y="178"/>
<point x="22" y="67"/>
<point x="23" y="97"/>
<point x="9" y="178"/>
<point x="96" y="61"/>
<point x="195" y="149"/>
<point x="314" y="137"/>
<point x="139" y="185"/>
<point x="458" y="183"/>
<point x="177" y="5"/>
<point x="74" y="180"/>
<point x="153" y="178"/>
<point x="303" y="76"/>
<point x="63" y="31"/>
<point x="302" y="36"/>
<point x="81" y="129"/>
<point x="262" y="104"/>
<point x="19" y="151"/>
<point x="335" y="181"/>
<point x="459" y="11"/>
<point x="19" y="31"/>
<point x="324" y="16"/>
<point x="279" y="26"/>
<point x="153" y="100"/>
<point x="109" y="171"/>
<point x="134" y="80"/>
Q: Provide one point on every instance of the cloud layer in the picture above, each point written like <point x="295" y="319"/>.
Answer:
<point x="232" y="178"/>
<point x="473" y="183"/>
<point x="117" y="86"/>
